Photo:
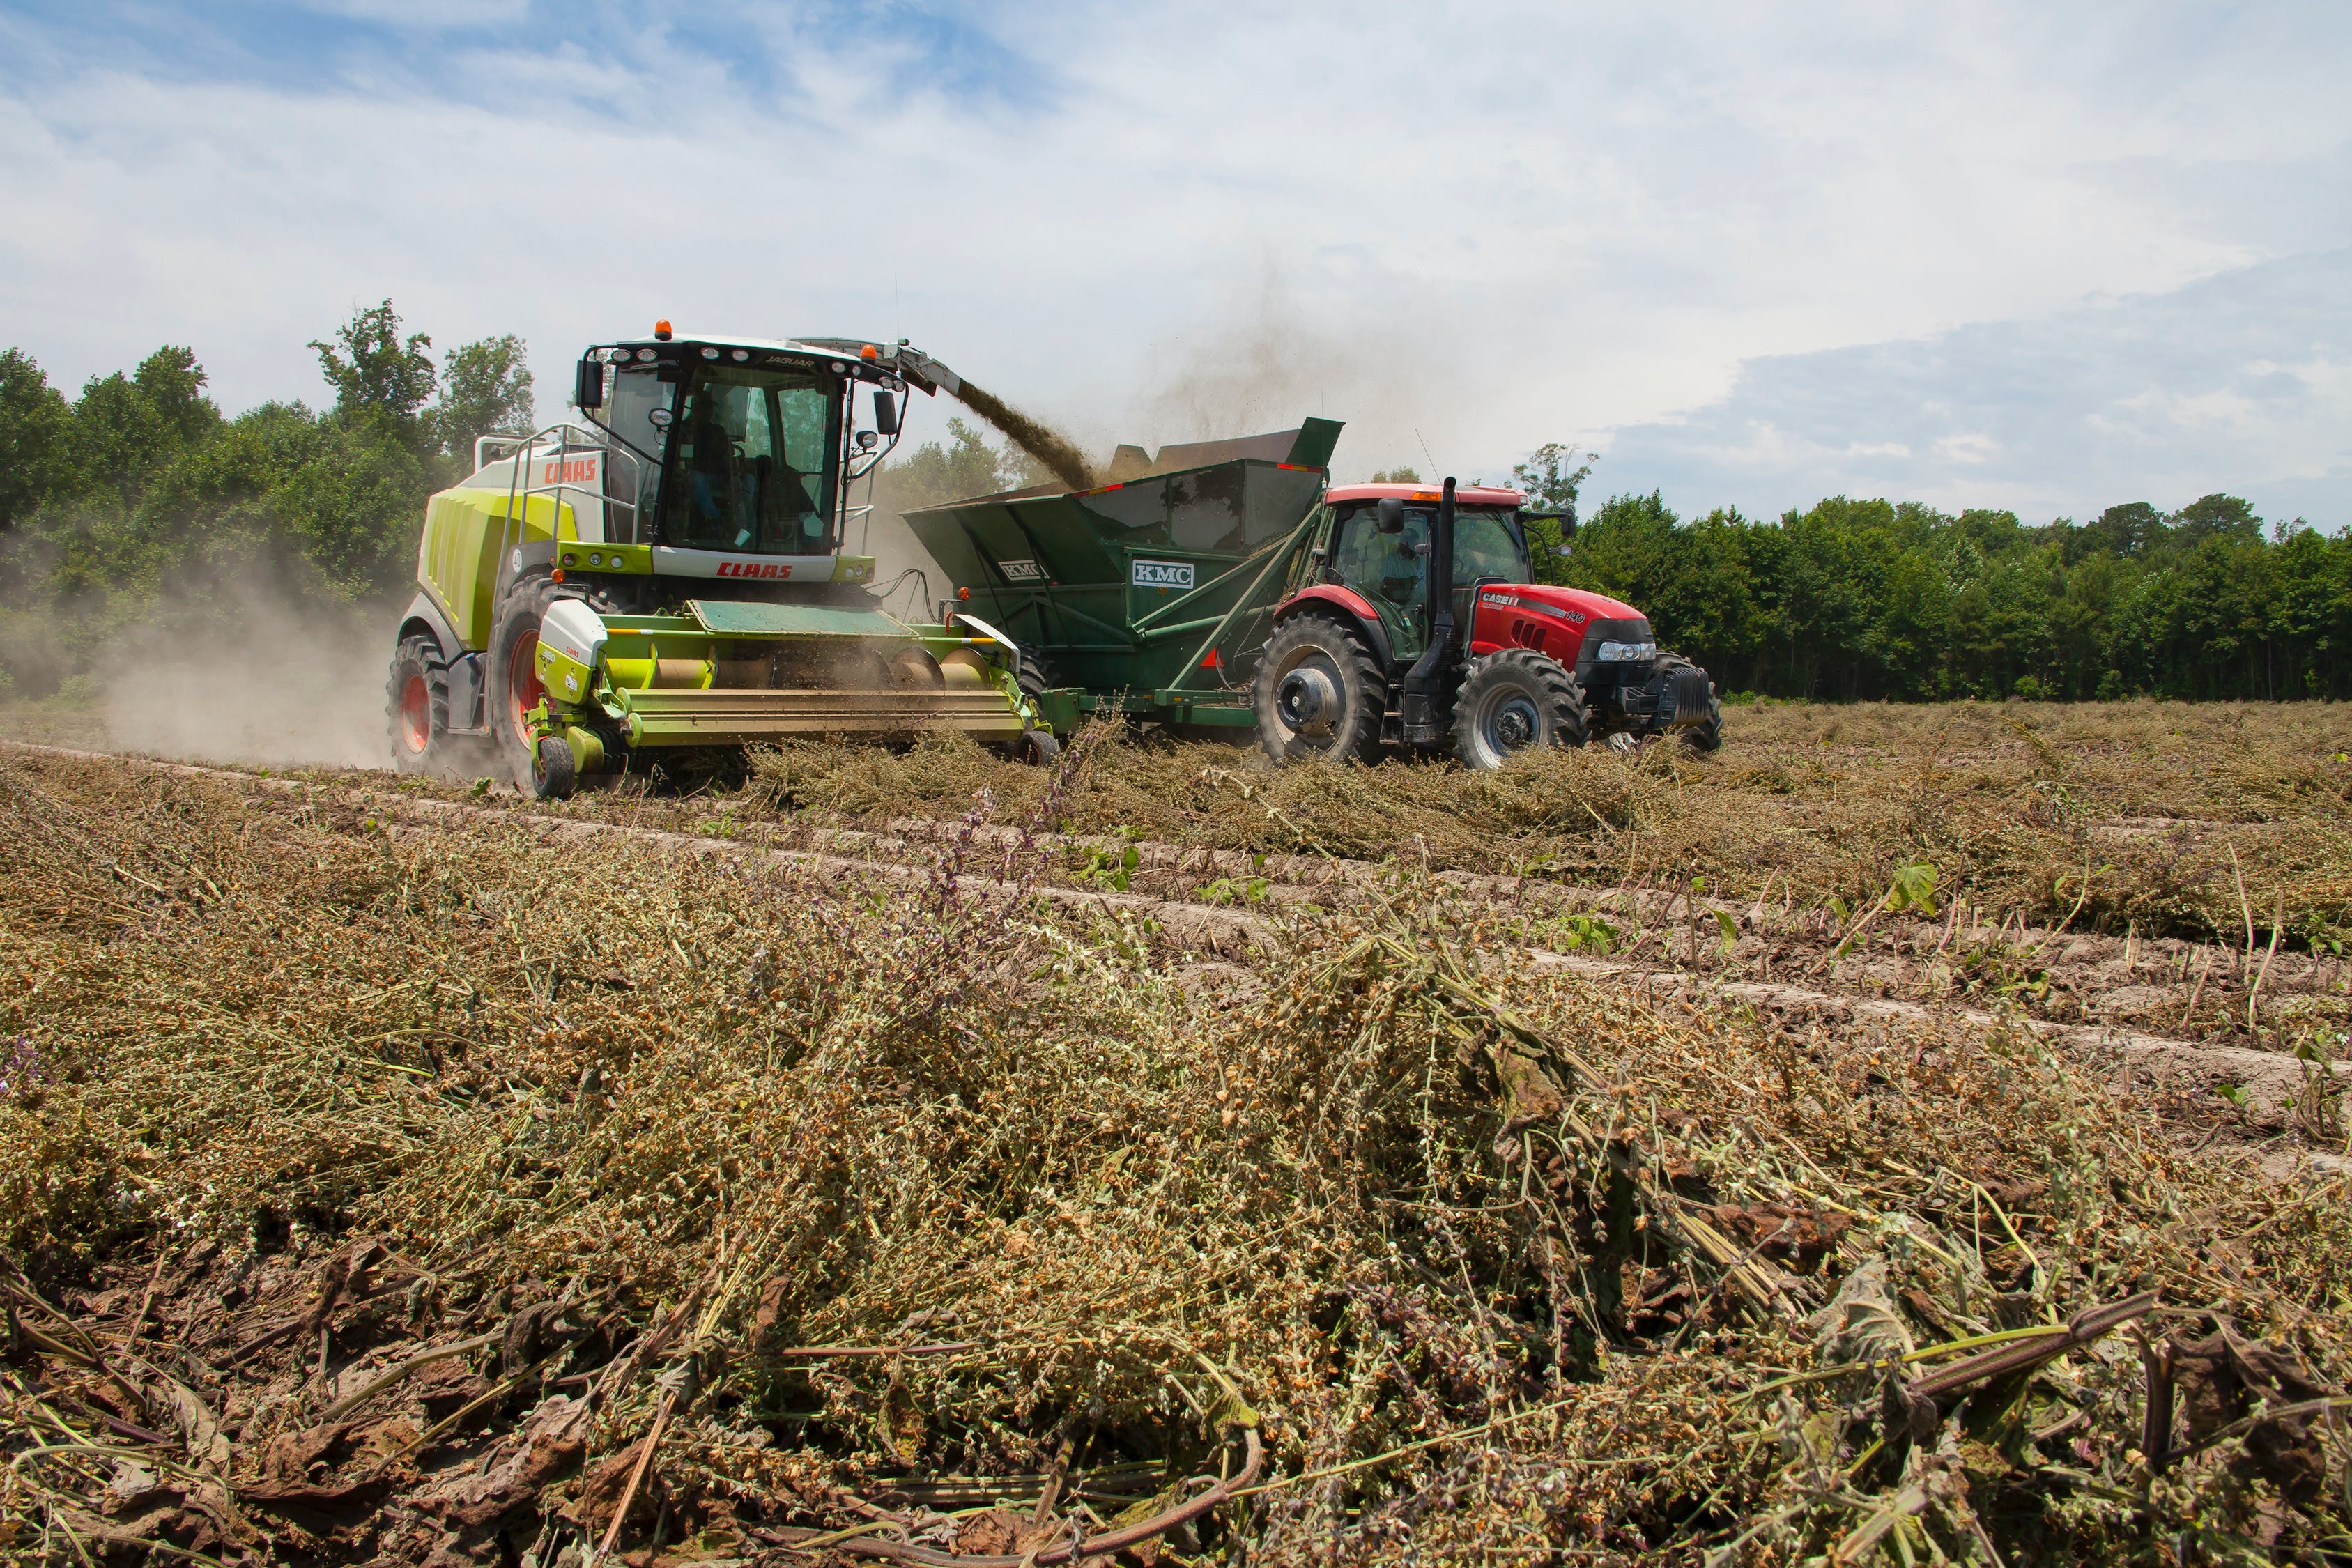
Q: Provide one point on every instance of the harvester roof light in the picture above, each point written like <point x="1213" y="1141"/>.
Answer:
<point x="1427" y="495"/>
<point x="709" y="353"/>
<point x="645" y="354"/>
<point x="740" y="356"/>
<point x="661" y="329"/>
<point x="839" y="368"/>
<point x="869" y="352"/>
<point x="963" y="593"/>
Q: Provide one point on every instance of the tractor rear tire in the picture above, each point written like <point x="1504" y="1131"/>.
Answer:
<point x="1320" y="693"/>
<point x="416" y="708"/>
<point x="1513" y="700"/>
<point x="514" y="688"/>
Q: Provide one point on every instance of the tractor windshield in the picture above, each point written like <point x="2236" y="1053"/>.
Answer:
<point x="1391" y="570"/>
<point x="751" y="462"/>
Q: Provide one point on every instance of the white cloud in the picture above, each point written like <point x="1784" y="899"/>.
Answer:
<point x="2239" y="382"/>
<point x="1471" y="231"/>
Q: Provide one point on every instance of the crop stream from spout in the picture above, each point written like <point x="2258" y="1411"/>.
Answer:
<point x="1048" y="446"/>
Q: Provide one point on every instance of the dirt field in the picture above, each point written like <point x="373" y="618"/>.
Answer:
<point x="1168" y="1159"/>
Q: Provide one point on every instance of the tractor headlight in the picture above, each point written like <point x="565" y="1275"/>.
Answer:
<point x="1627" y="652"/>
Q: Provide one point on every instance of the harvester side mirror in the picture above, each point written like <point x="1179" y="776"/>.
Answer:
<point x="886" y="414"/>
<point x="589" y="389"/>
<point x="1392" y="515"/>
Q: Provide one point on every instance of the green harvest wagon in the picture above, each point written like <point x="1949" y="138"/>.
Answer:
<point x="1146" y="594"/>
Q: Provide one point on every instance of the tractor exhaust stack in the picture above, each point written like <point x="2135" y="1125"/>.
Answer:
<point x="1420" y="709"/>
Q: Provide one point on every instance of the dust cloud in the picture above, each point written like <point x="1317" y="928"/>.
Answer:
<point x="1267" y="357"/>
<point x="285" y="682"/>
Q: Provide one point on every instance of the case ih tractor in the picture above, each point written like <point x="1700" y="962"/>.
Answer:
<point x="1418" y="623"/>
<point x="669" y="576"/>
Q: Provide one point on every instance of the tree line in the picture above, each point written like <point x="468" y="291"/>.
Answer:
<point x="140" y="492"/>
<point x="1874" y="599"/>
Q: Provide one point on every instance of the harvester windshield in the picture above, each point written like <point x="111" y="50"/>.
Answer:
<point x="749" y="465"/>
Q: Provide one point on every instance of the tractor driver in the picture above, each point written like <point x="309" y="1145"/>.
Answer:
<point x="1401" y="565"/>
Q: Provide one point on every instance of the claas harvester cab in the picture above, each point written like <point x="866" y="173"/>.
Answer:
<point x="667" y="574"/>
<point x="1226" y="587"/>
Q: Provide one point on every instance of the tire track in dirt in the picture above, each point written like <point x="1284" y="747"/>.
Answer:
<point x="2267" y="1079"/>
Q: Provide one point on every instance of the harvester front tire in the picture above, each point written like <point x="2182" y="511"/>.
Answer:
<point x="1320" y="693"/>
<point x="514" y="687"/>
<point x="554" y="772"/>
<point x="1039" y="750"/>
<point x="416" y="708"/>
<point x="1515" y="699"/>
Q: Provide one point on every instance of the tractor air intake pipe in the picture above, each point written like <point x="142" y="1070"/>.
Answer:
<point x="1430" y="679"/>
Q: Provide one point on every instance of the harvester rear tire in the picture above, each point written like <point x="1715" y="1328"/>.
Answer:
<point x="416" y="708"/>
<point x="1513" y="700"/>
<point x="1320" y="693"/>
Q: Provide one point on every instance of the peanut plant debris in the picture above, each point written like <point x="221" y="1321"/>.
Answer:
<point x="450" y="1196"/>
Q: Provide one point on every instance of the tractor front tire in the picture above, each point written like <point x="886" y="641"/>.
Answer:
<point x="1320" y="693"/>
<point x="1515" y="699"/>
<point x="416" y="708"/>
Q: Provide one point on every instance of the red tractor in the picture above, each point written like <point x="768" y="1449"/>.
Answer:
<point x="1419" y="624"/>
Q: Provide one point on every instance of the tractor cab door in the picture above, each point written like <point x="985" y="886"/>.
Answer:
<point x="1391" y="570"/>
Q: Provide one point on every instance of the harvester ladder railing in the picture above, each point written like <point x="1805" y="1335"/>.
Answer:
<point x="565" y="438"/>
<point x="1283" y="555"/>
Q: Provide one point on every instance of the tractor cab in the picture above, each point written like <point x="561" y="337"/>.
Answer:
<point x="1382" y="553"/>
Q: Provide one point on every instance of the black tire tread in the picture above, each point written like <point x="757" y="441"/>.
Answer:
<point x="1571" y="718"/>
<point x="1358" y="668"/>
<point x="426" y="652"/>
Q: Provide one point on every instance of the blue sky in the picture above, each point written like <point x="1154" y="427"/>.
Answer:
<point x="1995" y="254"/>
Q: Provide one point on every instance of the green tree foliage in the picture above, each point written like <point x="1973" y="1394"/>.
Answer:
<point x="375" y="376"/>
<point x="1550" y="485"/>
<point x="485" y="390"/>
<point x="1872" y="599"/>
<point x="38" y="460"/>
<point x="140" y="499"/>
<point x="964" y="466"/>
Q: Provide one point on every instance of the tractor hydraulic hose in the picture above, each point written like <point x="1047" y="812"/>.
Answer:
<point x="1432" y="676"/>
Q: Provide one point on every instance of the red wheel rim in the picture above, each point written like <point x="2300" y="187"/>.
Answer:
<point x="524" y="691"/>
<point x="415" y="714"/>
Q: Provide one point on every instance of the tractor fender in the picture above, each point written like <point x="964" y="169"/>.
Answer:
<point x="424" y="618"/>
<point x="1351" y="606"/>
